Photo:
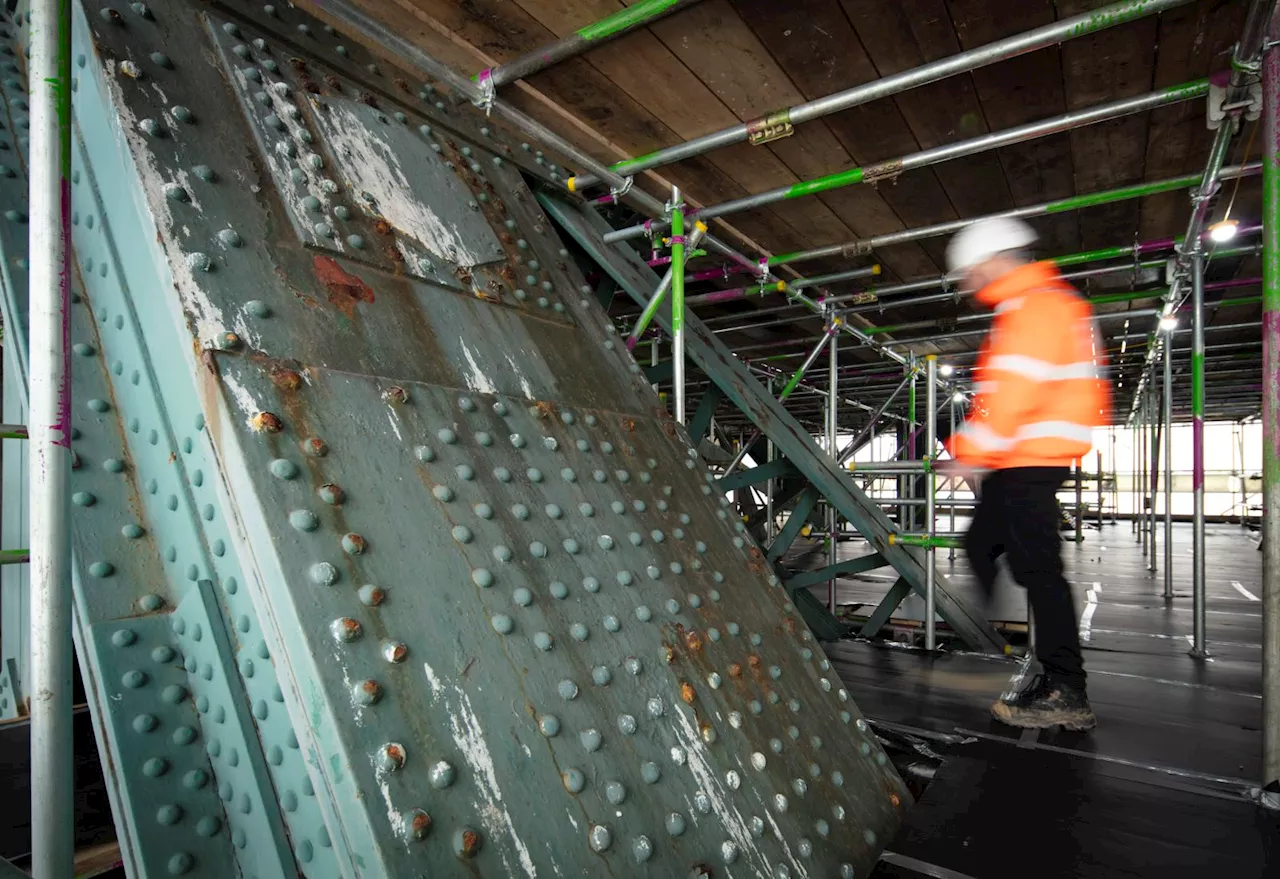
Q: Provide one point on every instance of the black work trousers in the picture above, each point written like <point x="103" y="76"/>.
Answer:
<point x="1017" y="517"/>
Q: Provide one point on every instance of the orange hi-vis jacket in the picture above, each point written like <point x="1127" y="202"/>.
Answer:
<point x="1038" y="382"/>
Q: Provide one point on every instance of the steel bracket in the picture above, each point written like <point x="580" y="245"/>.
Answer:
<point x="769" y="128"/>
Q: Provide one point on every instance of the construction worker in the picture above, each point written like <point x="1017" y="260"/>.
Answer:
<point x="1039" y="392"/>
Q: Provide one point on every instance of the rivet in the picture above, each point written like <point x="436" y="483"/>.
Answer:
<point x="676" y="824"/>
<point x="568" y="690"/>
<point x="558" y="590"/>
<point x="371" y="595"/>
<point x="447" y="436"/>
<point x="180" y="864"/>
<point x="462" y="534"/>
<point x="549" y="725"/>
<point x="323" y="574"/>
<point x="150" y="602"/>
<point x="641" y="849"/>
<point x="501" y="553"/>
<point x="643" y="614"/>
<point x="573" y="780"/>
<point x="102" y="569"/>
<point x="391" y="757"/>
<point x="354" y="544"/>
<point x="266" y="422"/>
<point x="345" y="629"/>
<point x="502" y="624"/>
<point x="395" y="651"/>
<point x="625" y="578"/>
<point x="315" y="447"/>
<point x="366" y="692"/>
<point x="83" y="499"/>
<point x="442" y="775"/>
<point x="544" y="642"/>
<point x="599" y="837"/>
<point x="418" y="825"/>
<point x="283" y="468"/>
<point x="482" y="578"/>
<point x="145" y="723"/>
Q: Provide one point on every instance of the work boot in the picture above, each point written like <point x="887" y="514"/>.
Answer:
<point x="1046" y="703"/>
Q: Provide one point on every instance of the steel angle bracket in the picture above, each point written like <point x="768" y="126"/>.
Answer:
<point x="790" y="439"/>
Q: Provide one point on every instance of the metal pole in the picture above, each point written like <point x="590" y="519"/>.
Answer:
<point x="930" y="485"/>
<point x="1141" y="439"/>
<point x="1099" y="493"/>
<point x="52" y="756"/>
<point x="768" y="501"/>
<point x="833" y="384"/>
<point x="1079" y="501"/>
<point x="609" y="28"/>
<point x="792" y="384"/>
<point x="983" y="143"/>
<point x="655" y="301"/>
<point x="871" y="426"/>
<point x="1245" y="63"/>
<point x="1168" y="467"/>
<point x="653" y="359"/>
<point x="1198" y="648"/>
<point x="951" y="551"/>
<point x="677" y="301"/>
<point x="1156" y="421"/>
<point x="909" y="451"/>
<point x="780" y="124"/>
<point x="1271" y="422"/>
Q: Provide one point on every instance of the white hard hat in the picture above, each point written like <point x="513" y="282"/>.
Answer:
<point x="978" y="242"/>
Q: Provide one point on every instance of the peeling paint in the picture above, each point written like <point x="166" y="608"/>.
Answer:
<point x="371" y="168"/>
<point x="244" y="399"/>
<point x="475" y="379"/>
<point x="468" y="736"/>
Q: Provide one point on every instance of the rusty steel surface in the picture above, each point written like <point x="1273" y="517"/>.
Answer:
<point x="483" y="603"/>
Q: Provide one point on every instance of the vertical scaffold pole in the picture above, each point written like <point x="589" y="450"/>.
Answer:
<point x="930" y="486"/>
<point x="52" y="758"/>
<point x="1156" y="421"/>
<point x="677" y="301"/>
<point x="1168" y="466"/>
<point x="768" y="500"/>
<point x="1198" y="647"/>
<point x="951" y="553"/>
<point x="1099" y="493"/>
<point x="1271" y="420"/>
<point x="833" y="388"/>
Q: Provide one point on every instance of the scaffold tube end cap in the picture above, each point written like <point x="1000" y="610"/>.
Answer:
<point x="781" y="286"/>
<point x="893" y="540"/>
<point x="700" y="226"/>
<point x="931" y="357"/>
<point x="875" y="269"/>
<point x="572" y="184"/>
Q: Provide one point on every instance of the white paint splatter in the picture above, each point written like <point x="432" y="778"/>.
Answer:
<point x="695" y="752"/>
<point x="244" y="399"/>
<point x="395" y="424"/>
<point x="370" y="165"/>
<point x="475" y="379"/>
<point x="469" y="739"/>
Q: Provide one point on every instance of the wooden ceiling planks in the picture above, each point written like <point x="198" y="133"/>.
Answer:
<point x="1101" y="67"/>
<point x="1192" y="41"/>
<point x="1021" y="90"/>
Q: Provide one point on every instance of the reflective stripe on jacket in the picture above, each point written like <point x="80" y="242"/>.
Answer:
<point x="1039" y="381"/>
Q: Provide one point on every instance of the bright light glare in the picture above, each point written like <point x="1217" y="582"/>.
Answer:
<point x="946" y="370"/>
<point x="959" y="397"/>
<point x="1224" y="230"/>
<point x="1168" y="323"/>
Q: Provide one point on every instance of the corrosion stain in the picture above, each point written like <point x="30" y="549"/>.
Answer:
<point x="693" y="641"/>
<point x="687" y="693"/>
<point x="344" y="288"/>
<point x="735" y="669"/>
<point x="285" y="379"/>
<point x="266" y="422"/>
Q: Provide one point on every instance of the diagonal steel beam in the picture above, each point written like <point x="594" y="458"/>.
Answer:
<point x="790" y="439"/>
<point x="861" y="564"/>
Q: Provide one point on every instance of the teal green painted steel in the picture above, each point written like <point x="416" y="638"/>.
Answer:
<point x="455" y="578"/>
<point x="11" y="695"/>
<point x="859" y="565"/>
<point x="792" y="441"/>
<point x="164" y="780"/>
<point x="795" y="523"/>
<point x="884" y="610"/>
<point x="14" y="579"/>
<point x="778" y="468"/>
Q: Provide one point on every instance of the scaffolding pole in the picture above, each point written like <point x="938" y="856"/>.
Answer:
<point x="833" y="402"/>
<point x="677" y="302"/>
<point x="1198" y="647"/>
<point x="1156" y="421"/>
<point x="930" y="486"/>
<point x="782" y="122"/>
<point x="891" y="168"/>
<point x="1168" y="467"/>
<point x="584" y="38"/>
<point x="1270" y="422"/>
<point x="52" y="756"/>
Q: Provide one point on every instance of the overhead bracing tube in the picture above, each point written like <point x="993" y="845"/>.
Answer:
<point x="624" y="21"/>
<point x="1245" y="65"/>
<point x="780" y="123"/>
<point x="981" y="144"/>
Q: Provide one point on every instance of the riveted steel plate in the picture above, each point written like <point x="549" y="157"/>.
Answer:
<point x="176" y="815"/>
<point x="514" y="628"/>
<point x="564" y="604"/>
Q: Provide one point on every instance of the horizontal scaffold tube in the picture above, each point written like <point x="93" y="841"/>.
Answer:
<point x="981" y="56"/>
<point x="983" y="143"/>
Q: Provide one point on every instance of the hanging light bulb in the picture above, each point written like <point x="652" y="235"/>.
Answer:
<point x="959" y="397"/>
<point x="1168" y="323"/>
<point x="946" y="370"/>
<point x="1223" y="230"/>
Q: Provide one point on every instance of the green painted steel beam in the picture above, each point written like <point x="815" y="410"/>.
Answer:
<point x="796" y="521"/>
<point x="859" y="565"/>
<point x="700" y="423"/>
<point x="775" y="469"/>
<point x="884" y="610"/>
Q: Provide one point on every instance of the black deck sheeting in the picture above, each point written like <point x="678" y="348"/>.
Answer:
<point x="1180" y="722"/>
<point x="1002" y="811"/>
